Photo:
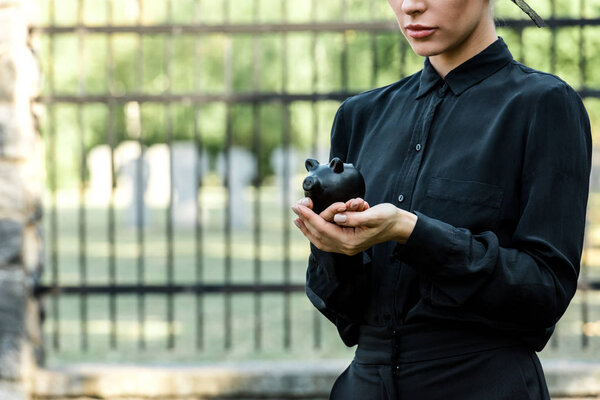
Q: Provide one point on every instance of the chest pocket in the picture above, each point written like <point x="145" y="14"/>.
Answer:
<point x="467" y="204"/>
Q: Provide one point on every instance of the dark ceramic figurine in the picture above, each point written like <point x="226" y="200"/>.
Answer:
<point x="330" y="183"/>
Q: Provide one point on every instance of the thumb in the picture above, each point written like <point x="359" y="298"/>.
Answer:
<point x="349" y="218"/>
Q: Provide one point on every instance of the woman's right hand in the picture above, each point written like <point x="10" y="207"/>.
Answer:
<point x="356" y="204"/>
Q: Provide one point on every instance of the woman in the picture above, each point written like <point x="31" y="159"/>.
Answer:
<point x="477" y="170"/>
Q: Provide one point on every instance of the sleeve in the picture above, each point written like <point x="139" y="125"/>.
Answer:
<point x="531" y="283"/>
<point x="336" y="284"/>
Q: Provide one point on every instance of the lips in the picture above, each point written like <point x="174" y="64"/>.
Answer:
<point x="420" y="31"/>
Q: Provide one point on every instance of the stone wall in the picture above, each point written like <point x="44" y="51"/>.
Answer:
<point x="21" y="175"/>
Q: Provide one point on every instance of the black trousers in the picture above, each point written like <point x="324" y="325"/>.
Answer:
<point x="463" y="367"/>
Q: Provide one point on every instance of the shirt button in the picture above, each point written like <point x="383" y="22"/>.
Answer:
<point x="401" y="198"/>
<point x="418" y="147"/>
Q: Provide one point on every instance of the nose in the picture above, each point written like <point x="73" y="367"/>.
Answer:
<point x="410" y="7"/>
<point x="308" y="183"/>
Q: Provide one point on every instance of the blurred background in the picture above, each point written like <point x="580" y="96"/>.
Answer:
<point x="175" y="135"/>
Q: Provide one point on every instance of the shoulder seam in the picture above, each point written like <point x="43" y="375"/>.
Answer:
<point x="529" y="70"/>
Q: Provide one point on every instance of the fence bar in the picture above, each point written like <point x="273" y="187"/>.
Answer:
<point x="189" y="98"/>
<point x="315" y="136"/>
<point x="170" y="208"/>
<point x="53" y="184"/>
<point x="379" y="26"/>
<point x="199" y="173"/>
<point x="555" y="336"/>
<point x="111" y="139"/>
<point x="228" y="74"/>
<point x="140" y="167"/>
<point x="373" y="36"/>
<point x="585" y="342"/>
<point x="256" y="143"/>
<point x="287" y="308"/>
<point x="344" y="54"/>
<point x="522" y="51"/>
<point x="81" y="73"/>
<point x="173" y="289"/>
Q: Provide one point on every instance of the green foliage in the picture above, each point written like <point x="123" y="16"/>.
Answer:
<point x="296" y="62"/>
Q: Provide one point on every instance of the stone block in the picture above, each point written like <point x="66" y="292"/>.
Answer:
<point x="32" y="250"/>
<point x="10" y="357"/>
<point x="14" y="26"/>
<point x="11" y="241"/>
<point x="12" y="299"/>
<point x="20" y="190"/>
<point x="12" y="391"/>
<point x="17" y="132"/>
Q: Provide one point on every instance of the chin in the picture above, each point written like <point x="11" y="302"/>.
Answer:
<point x="425" y="49"/>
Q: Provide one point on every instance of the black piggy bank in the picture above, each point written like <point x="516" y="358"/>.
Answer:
<point x="330" y="183"/>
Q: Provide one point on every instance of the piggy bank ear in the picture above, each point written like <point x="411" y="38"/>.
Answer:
<point x="311" y="164"/>
<point x="337" y="165"/>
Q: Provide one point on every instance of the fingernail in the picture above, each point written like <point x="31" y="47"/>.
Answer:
<point x="304" y="201"/>
<point x="339" y="218"/>
<point x="341" y="209"/>
<point x="297" y="223"/>
<point x="295" y="210"/>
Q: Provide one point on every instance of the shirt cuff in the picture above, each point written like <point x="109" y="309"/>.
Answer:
<point x="430" y="245"/>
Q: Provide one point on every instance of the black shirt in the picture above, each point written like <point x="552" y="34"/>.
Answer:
<point x="495" y="162"/>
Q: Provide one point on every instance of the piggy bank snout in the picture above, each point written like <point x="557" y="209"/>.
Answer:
<point x="309" y="183"/>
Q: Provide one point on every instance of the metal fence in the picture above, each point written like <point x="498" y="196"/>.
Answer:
<point x="85" y="238"/>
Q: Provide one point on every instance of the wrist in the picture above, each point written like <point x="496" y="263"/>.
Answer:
<point x="405" y="224"/>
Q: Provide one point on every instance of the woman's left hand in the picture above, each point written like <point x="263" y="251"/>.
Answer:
<point x="355" y="231"/>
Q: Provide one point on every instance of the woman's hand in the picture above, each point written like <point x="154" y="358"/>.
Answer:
<point x="349" y="232"/>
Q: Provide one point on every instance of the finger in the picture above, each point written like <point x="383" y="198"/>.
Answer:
<point x="366" y="206"/>
<point x="296" y="208"/>
<point x="306" y="202"/>
<point x="333" y="209"/>
<point x="355" y="204"/>
<point x="321" y="230"/>
<point x="298" y="222"/>
<point x="350" y="218"/>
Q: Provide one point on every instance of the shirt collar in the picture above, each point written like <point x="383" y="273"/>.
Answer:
<point x="469" y="73"/>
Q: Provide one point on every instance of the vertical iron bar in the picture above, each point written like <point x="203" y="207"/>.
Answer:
<point x="521" y="46"/>
<point x="584" y="265"/>
<point x="199" y="174"/>
<point x="82" y="169"/>
<point x="553" y="38"/>
<point x="403" y="48"/>
<point x="140" y="177"/>
<point x="228" y="65"/>
<point x="555" y="337"/>
<point x="344" y="55"/>
<point x="53" y="184"/>
<point x="112" y="258"/>
<point x="169" y="131"/>
<point x="287" y="319"/>
<point x="256" y="140"/>
<point x="373" y="45"/>
<point x="315" y="137"/>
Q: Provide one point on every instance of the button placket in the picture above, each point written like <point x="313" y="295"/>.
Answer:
<point x="412" y="165"/>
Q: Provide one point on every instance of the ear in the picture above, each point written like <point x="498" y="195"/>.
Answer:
<point x="337" y="165"/>
<point x="311" y="164"/>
